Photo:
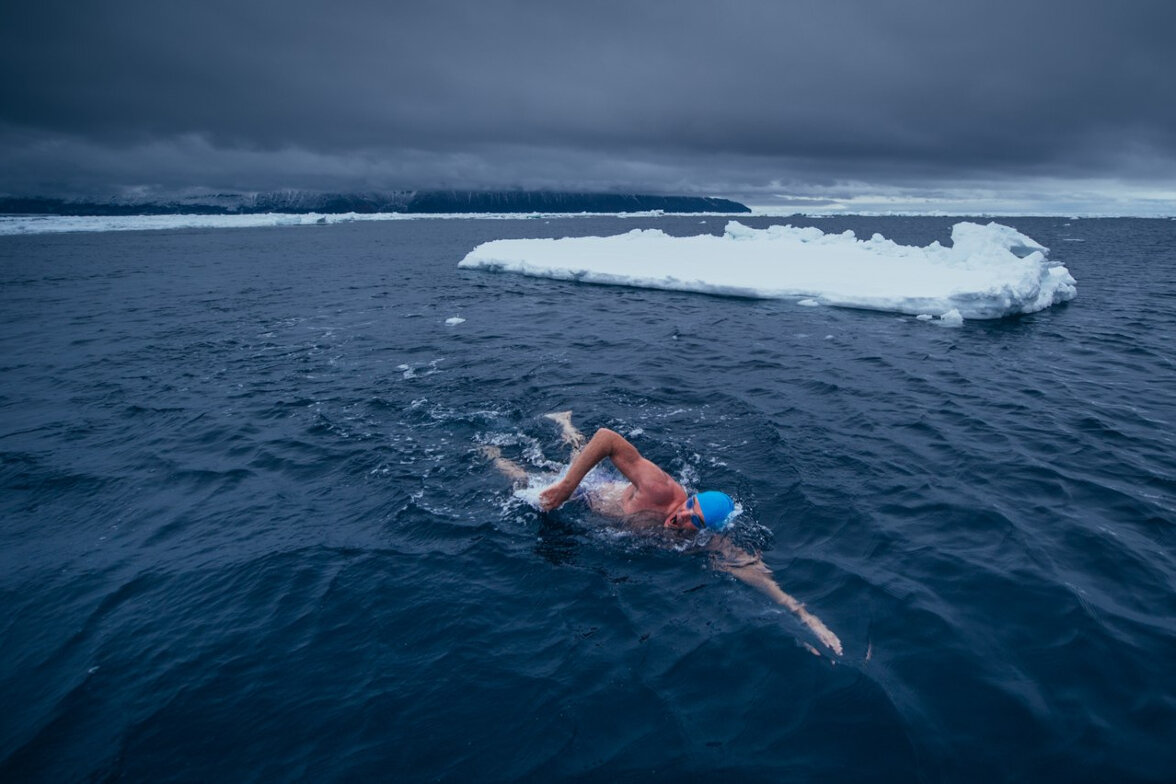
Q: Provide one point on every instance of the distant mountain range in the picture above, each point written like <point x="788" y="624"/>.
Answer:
<point x="399" y="201"/>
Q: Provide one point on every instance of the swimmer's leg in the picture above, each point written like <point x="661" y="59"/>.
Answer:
<point x="571" y="436"/>
<point x="510" y="469"/>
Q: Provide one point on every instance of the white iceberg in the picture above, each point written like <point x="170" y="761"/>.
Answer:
<point x="988" y="271"/>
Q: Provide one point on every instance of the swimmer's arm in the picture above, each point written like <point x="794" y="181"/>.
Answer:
<point x="604" y="443"/>
<point x="751" y="569"/>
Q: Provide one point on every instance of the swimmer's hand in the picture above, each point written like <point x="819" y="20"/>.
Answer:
<point x="554" y="496"/>
<point x="755" y="572"/>
<point x="821" y="630"/>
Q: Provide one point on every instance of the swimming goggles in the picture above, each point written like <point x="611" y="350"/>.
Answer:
<point x="695" y="517"/>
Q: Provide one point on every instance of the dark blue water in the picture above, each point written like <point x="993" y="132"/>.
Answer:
<point x="246" y="535"/>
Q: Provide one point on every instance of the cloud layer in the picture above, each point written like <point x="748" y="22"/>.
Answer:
<point x="803" y="99"/>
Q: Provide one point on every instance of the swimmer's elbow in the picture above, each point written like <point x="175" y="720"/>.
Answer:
<point x="608" y="437"/>
<point x="617" y="447"/>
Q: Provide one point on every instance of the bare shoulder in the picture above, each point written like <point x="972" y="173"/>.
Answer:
<point x="651" y="474"/>
<point x="654" y="485"/>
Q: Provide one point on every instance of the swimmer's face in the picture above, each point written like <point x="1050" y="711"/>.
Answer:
<point x="685" y="517"/>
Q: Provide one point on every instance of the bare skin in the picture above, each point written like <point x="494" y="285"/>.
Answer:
<point x="510" y="469"/>
<point x="650" y="496"/>
<point x="571" y="436"/>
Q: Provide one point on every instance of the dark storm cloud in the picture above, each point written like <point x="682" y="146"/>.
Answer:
<point x="671" y="94"/>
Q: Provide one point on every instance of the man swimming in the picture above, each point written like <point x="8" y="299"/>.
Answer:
<point x="652" y="497"/>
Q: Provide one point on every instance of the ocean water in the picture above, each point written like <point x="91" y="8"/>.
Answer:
<point x="246" y="533"/>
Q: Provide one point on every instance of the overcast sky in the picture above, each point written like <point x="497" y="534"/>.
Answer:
<point x="1038" y="105"/>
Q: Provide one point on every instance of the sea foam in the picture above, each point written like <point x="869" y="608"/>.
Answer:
<point x="987" y="272"/>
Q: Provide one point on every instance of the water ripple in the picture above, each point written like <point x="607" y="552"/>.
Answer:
<point x="247" y="532"/>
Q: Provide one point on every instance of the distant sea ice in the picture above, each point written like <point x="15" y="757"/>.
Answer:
<point x="987" y="272"/>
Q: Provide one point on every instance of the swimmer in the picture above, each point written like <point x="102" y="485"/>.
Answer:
<point x="652" y="498"/>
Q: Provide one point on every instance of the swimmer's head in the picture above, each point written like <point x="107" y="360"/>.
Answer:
<point x="711" y="510"/>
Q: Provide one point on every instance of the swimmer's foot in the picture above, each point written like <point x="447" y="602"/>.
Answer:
<point x="571" y="436"/>
<point x="508" y="468"/>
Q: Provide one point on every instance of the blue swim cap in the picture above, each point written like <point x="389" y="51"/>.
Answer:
<point x="716" y="507"/>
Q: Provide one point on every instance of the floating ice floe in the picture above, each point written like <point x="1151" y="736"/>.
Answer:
<point x="987" y="272"/>
<point x="57" y="224"/>
<point x="453" y="321"/>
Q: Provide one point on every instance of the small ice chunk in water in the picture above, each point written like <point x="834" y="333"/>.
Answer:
<point x="924" y="317"/>
<point x="808" y="303"/>
<point x="453" y="321"/>
<point x="952" y="318"/>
